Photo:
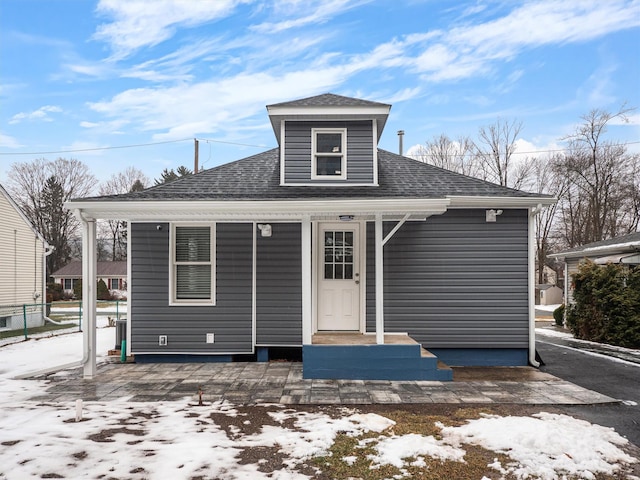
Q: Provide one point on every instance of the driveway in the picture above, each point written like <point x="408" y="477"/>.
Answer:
<point x="598" y="370"/>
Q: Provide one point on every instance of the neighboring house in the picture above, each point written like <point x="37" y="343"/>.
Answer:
<point x="114" y="275"/>
<point x="549" y="275"/>
<point x="624" y="249"/>
<point x="23" y="254"/>
<point x="548" y="294"/>
<point x="332" y="245"/>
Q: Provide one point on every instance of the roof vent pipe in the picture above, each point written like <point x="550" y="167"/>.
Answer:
<point x="400" y="138"/>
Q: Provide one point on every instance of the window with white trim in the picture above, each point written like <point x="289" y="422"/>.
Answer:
<point x="193" y="264"/>
<point x="329" y="153"/>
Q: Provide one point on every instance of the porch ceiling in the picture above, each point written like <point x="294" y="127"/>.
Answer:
<point x="147" y="211"/>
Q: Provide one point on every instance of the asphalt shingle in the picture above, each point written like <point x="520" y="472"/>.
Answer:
<point x="258" y="178"/>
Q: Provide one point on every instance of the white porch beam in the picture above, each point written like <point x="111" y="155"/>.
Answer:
<point x="379" y="281"/>
<point x="89" y="295"/>
<point x="307" y="309"/>
<point x="395" y="229"/>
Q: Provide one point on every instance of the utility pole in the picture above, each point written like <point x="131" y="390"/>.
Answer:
<point x="195" y="156"/>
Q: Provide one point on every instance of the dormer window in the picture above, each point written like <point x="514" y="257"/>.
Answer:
<point x="329" y="153"/>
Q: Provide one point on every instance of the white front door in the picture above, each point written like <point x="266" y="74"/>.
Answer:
<point x="338" y="277"/>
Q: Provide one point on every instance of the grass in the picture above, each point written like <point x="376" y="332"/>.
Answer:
<point x="32" y="331"/>
<point x="351" y="457"/>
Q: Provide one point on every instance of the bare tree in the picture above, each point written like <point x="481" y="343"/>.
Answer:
<point x="548" y="180"/>
<point x="455" y="155"/>
<point x="600" y="173"/>
<point x="495" y="147"/>
<point x="40" y="188"/>
<point x="131" y="179"/>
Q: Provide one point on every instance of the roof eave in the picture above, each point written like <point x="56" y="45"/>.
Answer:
<point x="598" y="251"/>
<point x="277" y="114"/>
<point x="244" y="210"/>
<point x="478" y="201"/>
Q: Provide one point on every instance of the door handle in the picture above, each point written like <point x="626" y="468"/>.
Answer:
<point x="357" y="282"/>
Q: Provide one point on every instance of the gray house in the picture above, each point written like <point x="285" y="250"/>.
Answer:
<point x="374" y="265"/>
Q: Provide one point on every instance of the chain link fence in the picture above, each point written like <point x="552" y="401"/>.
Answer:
<point x="21" y="322"/>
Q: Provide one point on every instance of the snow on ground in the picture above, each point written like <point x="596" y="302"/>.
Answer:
<point x="180" y="439"/>
<point x="547" y="308"/>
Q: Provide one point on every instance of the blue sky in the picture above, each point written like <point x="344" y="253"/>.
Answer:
<point x="85" y="75"/>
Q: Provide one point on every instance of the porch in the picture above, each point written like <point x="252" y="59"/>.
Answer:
<point x="338" y="355"/>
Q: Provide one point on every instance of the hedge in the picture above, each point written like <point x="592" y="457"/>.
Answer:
<point x="606" y="305"/>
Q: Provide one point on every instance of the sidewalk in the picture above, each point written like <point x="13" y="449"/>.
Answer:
<point x="282" y="382"/>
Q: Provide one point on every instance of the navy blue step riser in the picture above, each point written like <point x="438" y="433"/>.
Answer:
<point x="370" y="362"/>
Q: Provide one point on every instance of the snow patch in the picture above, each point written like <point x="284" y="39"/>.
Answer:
<point x="545" y="444"/>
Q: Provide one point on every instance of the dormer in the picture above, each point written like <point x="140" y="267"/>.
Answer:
<point x="328" y="140"/>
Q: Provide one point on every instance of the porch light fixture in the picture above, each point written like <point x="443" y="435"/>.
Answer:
<point x="490" y="215"/>
<point x="265" y="229"/>
<point x="346" y="218"/>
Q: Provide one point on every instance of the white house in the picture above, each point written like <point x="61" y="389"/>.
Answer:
<point x="23" y="252"/>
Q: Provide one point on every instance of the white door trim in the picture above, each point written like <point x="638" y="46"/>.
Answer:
<point x="318" y="268"/>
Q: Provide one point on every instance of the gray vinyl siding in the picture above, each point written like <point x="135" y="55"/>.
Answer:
<point x="279" y="286"/>
<point x="186" y="326"/>
<point x="297" y="151"/>
<point x="455" y="281"/>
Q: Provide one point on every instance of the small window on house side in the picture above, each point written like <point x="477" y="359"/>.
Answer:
<point x="114" y="284"/>
<point x="192" y="257"/>
<point x="329" y="154"/>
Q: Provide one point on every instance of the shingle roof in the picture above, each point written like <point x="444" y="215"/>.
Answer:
<point x="623" y="241"/>
<point x="329" y="100"/>
<point x="258" y="178"/>
<point x="104" y="269"/>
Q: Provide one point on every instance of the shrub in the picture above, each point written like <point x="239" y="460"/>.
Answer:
<point x="607" y="304"/>
<point x="103" y="291"/>
<point x="77" y="290"/>
<point x="55" y="290"/>
<point x="558" y="315"/>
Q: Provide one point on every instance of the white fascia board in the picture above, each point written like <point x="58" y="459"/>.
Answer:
<point x="620" y="248"/>
<point x="461" y="201"/>
<point x="200" y="210"/>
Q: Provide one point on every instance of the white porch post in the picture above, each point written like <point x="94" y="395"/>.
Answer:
<point x="307" y="312"/>
<point x="89" y="295"/>
<point x="379" y="281"/>
<point x="531" y="252"/>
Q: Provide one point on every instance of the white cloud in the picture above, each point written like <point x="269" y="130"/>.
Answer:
<point x="313" y="13"/>
<point x="631" y="120"/>
<point x="140" y="23"/>
<point x="469" y="50"/>
<point x="8" y="141"/>
<point x="186" y="110"/>
<point x="41" y="113"/>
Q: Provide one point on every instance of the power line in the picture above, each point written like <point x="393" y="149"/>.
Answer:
<point x="515" y="152"/>
<point x="98" y="148"/>
<point x="210" y="140"/>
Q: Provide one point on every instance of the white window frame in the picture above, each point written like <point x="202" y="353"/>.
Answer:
<point x="173" y="300"/>
<point x="315" y="154"/>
